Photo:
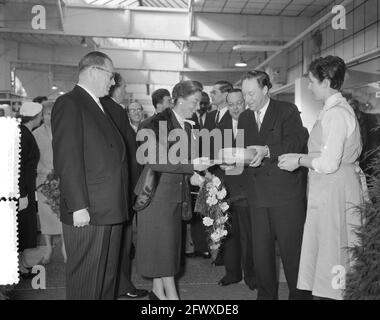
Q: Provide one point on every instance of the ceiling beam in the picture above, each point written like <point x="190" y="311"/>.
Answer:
<point x="153" y="23"/>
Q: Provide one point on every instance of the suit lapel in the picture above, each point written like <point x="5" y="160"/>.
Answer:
<point x="269" y="120"/>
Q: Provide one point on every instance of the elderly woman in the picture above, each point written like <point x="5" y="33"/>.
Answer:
<point x="31" y="116"/>
<point x="159" y="227"/>
<point x="49" y="221"/>
<point x="335" y="186"/>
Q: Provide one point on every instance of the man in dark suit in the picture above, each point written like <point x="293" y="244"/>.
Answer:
<point x="112" y="105"/>
<point x="161" y="100"/>
<point x="219" y="117"/>
<point x="238" y="243"/>
<point x="198" y="231"/>
<point x="89" y="157"/>
<point x="277" y="198"/>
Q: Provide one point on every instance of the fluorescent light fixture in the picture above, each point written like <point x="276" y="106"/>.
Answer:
<point x="241" y="63"/>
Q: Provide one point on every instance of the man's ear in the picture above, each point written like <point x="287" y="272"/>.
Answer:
<point x="326" y="83"/>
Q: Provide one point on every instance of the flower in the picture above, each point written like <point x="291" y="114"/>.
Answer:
<point x="218" y="234"/>
<point x="212" y="206"/>
<point x="216" y="181"/>
<point x="213" y="191"/>
<point x="50" y="189"/>
<point x="196" y="179"/>
<point x="211" y="201"/>
<point x="224" y="206"/>
<point x="207" y="221"/>
<point x="222" y="194"/>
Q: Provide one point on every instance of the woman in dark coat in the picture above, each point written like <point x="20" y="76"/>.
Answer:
<point x="31" y="116"/>
<point x="159" y="227"/>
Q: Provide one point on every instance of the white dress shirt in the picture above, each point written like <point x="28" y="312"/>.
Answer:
<point x="221" y="114"/>
<point x="92" y="96"/>
<point x="263" y="110"/>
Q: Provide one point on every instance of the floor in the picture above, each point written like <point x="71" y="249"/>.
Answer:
<point x="198" y="282"/>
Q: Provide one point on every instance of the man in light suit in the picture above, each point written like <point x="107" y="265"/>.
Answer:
<point x="89" y="157"/>
<point x="277" y="198"/>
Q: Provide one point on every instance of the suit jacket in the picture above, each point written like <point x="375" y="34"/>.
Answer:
<point x="171" y="184"/>
<point x="224" y="123"/>
<point x="120" y="118"/>
<point x="283" y="132"/>
<point x="89" y="155"/>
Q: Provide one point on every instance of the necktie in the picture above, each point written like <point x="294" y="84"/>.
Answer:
<point x="258" y="120"/>
<point x="217" y="118"/>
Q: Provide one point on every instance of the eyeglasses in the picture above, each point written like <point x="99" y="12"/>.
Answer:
<point x="112" y="76"/>
<point x="135" y="110"/>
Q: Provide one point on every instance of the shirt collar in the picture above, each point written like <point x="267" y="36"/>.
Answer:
<point x="92" y="96"/>
<point x="182" y="120"/>
<point x="332" y="101"/>
<point x="263" y="110"/>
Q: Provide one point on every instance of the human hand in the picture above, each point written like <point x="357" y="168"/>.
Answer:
<point x="289" y="161"/>
<point x="261" y="153"/>
<point x="81" y="218"/>
<point x="196" y="179"/>
<point x="23" y="203"/>
<point x="201" y="164"/>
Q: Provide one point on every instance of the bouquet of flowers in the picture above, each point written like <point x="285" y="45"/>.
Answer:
<point x="212" y="206"/>
<point x="50" y="189"/>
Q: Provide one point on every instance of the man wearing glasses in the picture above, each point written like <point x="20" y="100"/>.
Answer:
<point x="90" y="158"/>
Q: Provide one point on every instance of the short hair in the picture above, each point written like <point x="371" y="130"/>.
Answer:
<point x="93" y="58"/>
<point x="118" y="81"/>
<point x="261" y="77"/>
<point x="205" y="99"/>
<point x="158" y="96"/>
<point x="332" y="68"/>
<point x="197" y="83"/>
<point x="40" y="99"/>
<point x="224" y="86"/>
<point x="184" y="89"/>
<point x="234" y="90"/>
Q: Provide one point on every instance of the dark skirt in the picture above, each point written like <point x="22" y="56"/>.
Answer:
<point x="27" y="227"/>
<point x="159" y="231"/>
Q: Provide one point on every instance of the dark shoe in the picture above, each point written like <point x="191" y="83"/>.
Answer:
<point x="251" y="283"/>
<point x="152" y="296"/>
<point x="137" y="293"/>
<point x="225" y="281"/>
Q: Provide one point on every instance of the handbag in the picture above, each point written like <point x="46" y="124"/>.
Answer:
<point x="145" y="188"/>
<point x="186" y="210"/>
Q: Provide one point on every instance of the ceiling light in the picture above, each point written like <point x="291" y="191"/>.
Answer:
<point x="54" y="87"/>
<point x="241" y="63"/>
<point x="61" y="92"/>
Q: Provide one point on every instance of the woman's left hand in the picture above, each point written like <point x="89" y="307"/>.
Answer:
<point x="289" y="161"/>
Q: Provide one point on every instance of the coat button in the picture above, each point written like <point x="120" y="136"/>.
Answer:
<point x="111" y="145"/>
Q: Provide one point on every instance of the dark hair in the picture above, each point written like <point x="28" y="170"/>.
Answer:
<point x="332" y="68"/>
<point x="234" y="90"/>
<point x="93" y="58"/>
<point x="184" y="89"/>
<point x="118" y="80"/>
<point x="198" y="84"/>
<point x="224" y="86"/>
<point x="26" y="119"/>
<point x="261" y="77"/>
<point x="205" y="99"/>
<point x="158" y="96"/>
<point x="40" y="99"/>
